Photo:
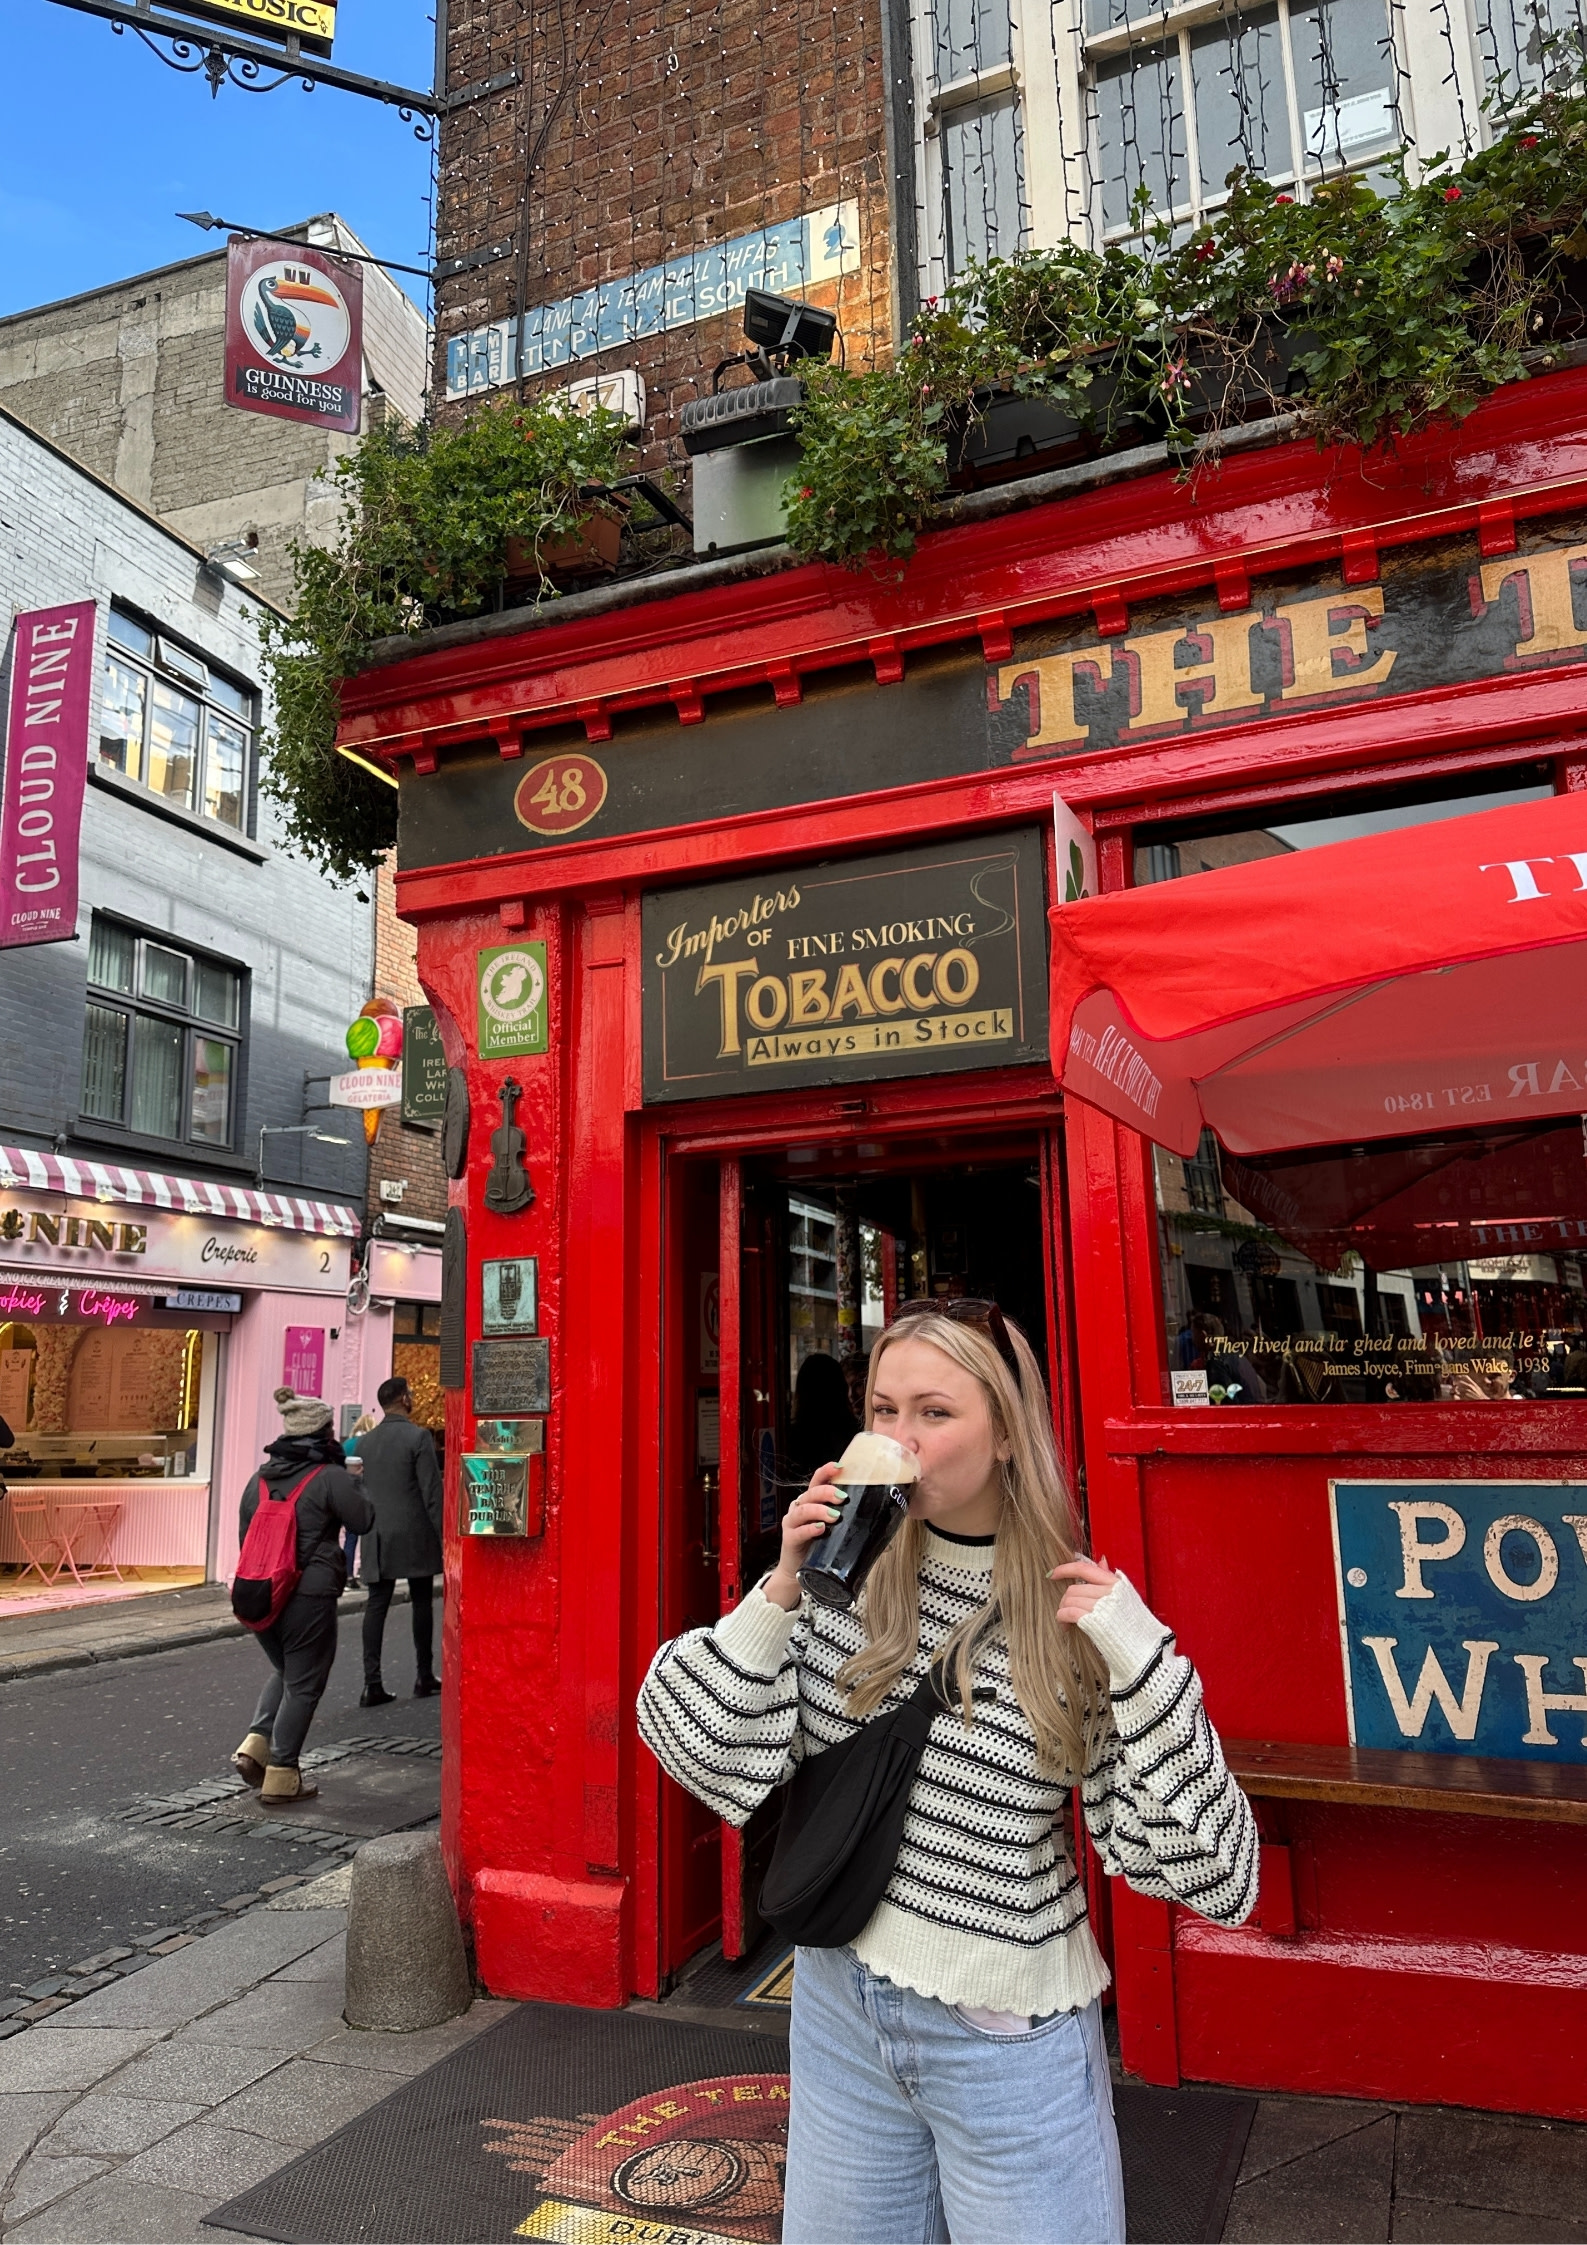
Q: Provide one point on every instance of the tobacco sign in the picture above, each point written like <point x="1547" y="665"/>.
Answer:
<point x="919" y="962"/>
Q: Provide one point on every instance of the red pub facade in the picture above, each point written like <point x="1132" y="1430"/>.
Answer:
<point x="738" y="880"/>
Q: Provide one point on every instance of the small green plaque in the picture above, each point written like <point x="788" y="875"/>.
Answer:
<point x="514" y="1008"/>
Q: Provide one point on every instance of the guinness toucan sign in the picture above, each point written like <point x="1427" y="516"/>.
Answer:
<point x="294" y="333"/>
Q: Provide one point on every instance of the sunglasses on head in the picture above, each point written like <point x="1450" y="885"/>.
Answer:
<point x="966" y="1309"/>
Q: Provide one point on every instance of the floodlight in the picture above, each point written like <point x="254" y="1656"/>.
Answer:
<point x="781" y="325"/>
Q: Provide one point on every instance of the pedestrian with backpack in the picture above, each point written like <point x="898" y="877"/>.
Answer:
<point x="290" y="1573"/>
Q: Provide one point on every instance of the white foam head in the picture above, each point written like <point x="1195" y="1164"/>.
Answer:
<point x="877" y="1457"/>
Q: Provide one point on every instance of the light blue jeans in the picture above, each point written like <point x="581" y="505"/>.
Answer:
<point x="909" y="2127"/>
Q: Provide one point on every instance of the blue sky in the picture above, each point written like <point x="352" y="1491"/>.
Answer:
<point x="108" y="144"/>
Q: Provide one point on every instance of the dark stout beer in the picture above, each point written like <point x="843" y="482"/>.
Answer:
<point x="876" y="1479"/>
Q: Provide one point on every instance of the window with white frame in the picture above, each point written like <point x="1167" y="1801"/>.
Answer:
<point x="176" y="725"/>
<point x="973" y="134"/>
<point x="1294" y="92"/>
<point x="162" y="1038"/>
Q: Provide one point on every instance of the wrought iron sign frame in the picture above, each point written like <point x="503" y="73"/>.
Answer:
<point x="225" y="58"/>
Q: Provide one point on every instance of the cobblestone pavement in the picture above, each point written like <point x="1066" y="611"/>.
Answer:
<point x="123" y="1820"/>
<point x="164" y="2092"/>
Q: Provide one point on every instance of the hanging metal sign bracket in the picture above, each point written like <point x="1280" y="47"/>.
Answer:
<point x="225" y="58"/>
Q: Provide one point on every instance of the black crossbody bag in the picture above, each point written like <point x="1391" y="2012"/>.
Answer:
<point x="843" y="1823"/>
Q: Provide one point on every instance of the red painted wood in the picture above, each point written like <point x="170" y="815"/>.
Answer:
<point x="1286" y="507"/>
<point x="1433" y="1957"/>
<point x="730" y="1504"/>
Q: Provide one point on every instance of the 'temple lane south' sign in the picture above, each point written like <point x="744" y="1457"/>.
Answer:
<point x="904" y="965"/>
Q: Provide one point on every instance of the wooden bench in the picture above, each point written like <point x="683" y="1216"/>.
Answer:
<point x="1376" y="1777"/>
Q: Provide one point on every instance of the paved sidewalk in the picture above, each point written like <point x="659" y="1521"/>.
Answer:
<point x="190" y="2078"/>
<point x="120" y="1628"/>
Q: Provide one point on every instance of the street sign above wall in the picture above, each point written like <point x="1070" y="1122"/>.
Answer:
<point x="906" y="965"/>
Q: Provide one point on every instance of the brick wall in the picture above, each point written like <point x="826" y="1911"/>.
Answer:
<point x="687" y="125"/>
<point x="402" y="1152"/>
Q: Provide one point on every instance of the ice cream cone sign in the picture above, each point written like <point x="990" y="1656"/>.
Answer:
<point x="374" y="1044"/>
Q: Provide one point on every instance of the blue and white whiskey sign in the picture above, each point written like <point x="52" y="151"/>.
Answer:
<point x="1463" y="1615"/>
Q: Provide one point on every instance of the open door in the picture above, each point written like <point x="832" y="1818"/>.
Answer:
<point x="754" y="1290"/>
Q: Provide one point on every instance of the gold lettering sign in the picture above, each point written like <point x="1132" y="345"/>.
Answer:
<point x="1218" y="669"/>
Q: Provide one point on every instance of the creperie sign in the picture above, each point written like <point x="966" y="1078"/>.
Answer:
<point x="1219" y="669"/>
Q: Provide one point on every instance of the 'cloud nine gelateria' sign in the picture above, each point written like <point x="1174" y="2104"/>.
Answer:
<point x="904" y="965"/>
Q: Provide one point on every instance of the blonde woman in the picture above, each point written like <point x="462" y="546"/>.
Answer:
<point x="949" y="2072"/>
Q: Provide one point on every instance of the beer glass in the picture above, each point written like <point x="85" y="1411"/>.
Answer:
<point x="876" y="1477"/>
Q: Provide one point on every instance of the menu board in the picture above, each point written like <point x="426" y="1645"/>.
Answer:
<point x="113" y="1383"/>
<point x="16" y="1380"/>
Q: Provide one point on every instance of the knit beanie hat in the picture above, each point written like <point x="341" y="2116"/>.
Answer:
<point x="302" y="1414"/>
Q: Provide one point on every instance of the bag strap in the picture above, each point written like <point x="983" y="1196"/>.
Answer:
<point x="293" y="1495"/>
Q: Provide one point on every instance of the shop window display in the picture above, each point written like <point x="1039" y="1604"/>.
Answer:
<point x="87" y="1399"/>
<point x="1424" y="1270"/>
<point x="416" y="1358"/>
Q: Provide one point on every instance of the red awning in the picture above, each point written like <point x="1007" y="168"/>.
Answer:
<point x="1428" y="979"/>
<point x="22" y="1169"/>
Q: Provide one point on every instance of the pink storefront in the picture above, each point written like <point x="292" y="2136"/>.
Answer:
<point x="145" y="1321"/>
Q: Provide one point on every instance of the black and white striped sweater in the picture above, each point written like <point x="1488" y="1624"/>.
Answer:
<point x="984" y="1907"/>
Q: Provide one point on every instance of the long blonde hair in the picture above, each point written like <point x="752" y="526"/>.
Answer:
<point x="1058" y="1677"/>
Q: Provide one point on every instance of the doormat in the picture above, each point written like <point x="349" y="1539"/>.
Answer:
<point x="606" y="2128"/>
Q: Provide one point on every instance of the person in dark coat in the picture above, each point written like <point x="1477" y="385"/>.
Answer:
<point x="823" y="1423"/>
<point x="402" y="1480"/>
<point x="301" y="1645"/>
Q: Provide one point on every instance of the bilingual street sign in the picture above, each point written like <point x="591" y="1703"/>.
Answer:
<point x="1463" y="1615"/>
<point x="294" y="333"/>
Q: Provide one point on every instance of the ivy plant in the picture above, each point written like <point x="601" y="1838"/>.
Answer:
<point x="428" y="520"/>
<point x="1366" y="310"/>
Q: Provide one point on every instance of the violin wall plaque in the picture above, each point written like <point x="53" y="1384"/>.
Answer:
<point x="511" y="1294"/>
<point x="507" y="1188"/>
<point x="514" y="1012"/>
<point x="511" y="1378"/>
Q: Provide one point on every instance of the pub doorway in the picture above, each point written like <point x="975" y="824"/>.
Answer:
<point x="785" y="1268"/>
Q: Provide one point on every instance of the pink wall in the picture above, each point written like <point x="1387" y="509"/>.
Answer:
<point x="251" y="1375"/>
<point x="162" y="1524"/>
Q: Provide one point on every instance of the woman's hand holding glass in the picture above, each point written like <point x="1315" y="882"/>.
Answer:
<point x="807" y="1519"/>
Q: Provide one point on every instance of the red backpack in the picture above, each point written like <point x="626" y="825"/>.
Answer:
<point x="267" y="1565"/>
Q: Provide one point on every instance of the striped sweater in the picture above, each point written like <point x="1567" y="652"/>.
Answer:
<point x="984" y="1907"/>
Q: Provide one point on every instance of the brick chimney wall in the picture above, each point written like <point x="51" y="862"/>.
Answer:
<point x="681" y="126"/>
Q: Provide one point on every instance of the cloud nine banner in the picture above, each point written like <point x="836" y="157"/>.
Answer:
<point x="699" y="285"/>
<point x="46" y="764"/>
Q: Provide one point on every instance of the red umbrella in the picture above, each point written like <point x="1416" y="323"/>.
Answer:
<point x="1432" y="978"/>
